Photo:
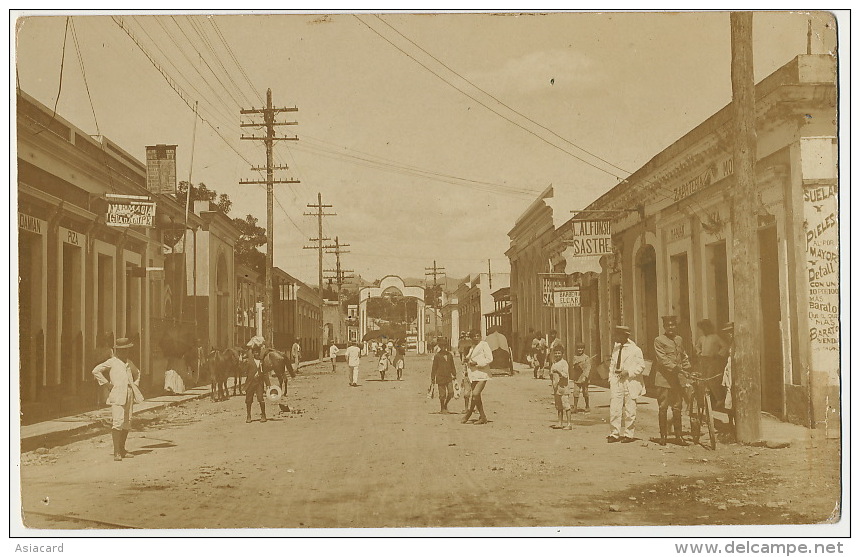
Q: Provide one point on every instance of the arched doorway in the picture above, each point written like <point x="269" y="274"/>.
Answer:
<point x="646" y="265"/>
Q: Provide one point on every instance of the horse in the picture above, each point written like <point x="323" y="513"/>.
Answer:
<point x="238" y="371"/>
<point x="222" y="364"/>
<point x="275" y="361"/>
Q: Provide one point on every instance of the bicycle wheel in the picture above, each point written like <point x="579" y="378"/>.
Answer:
<point x="695" y="421"/>
<point x="709" y="420"/>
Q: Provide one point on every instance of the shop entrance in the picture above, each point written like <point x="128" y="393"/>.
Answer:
<point x="71" y="336"/>
<point x="681" y="298"/>
<point x="646" y="260"/>
<point x="30" y="335"/>
<point x="772" y="383"/>
<point x="718" y="294"/>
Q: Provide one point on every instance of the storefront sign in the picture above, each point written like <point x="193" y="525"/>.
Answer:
<point x="714" y="173"/>
<point x="30" y="224"/>
<point x="161" y="169"/>
<point x="567" y="297"/>
<point x="552" y="281"/>
<point x="590" y="238"/>
<point x="129" y="210"/>
<point x="677" y="232"/>
<point x="822" y="253"/>
<point x="71" y="237"/>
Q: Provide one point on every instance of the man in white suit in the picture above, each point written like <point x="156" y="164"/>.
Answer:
<point x="124" y="392"/>
<point x="625" y="386"/>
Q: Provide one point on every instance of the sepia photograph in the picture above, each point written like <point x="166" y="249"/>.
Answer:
<point x="387" y="273"/>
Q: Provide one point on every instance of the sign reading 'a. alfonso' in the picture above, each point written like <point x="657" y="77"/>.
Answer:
<point x="129" y="210"/>
<point x="590" y="237"/>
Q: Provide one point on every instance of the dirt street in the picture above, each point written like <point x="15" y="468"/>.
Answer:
<point x="380" y="456"/>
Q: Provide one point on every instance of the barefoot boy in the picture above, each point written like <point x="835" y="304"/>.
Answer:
<point x="560" y="376"/>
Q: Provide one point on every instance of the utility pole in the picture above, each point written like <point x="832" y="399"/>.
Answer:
<point x="435" y="271"/>
<point x="319" y="239"/>
<point x="269" y="139"/>
<point x="339" y="274"/>
<point x="746" y="366"/>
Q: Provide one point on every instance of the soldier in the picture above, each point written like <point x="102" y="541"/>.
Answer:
<point x="673" y="366"/>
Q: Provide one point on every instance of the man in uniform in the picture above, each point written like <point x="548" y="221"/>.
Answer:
<point x="673" y="367"/>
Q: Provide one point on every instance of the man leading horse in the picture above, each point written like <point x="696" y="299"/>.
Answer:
<point x="260" y="364"/>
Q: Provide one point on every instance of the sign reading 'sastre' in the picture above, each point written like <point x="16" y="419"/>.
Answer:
<point x="590" y="237"/>
<point x="129" y="210"/>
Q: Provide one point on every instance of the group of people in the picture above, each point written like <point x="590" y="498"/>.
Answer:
<point x="676" y="379"/>
<point x="476" y="357"/>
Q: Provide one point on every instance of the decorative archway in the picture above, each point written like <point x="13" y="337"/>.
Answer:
<point x="389" y="285"/>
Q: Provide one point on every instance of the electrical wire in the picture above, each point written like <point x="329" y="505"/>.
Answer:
<point x="500" y="102"/>
<point x="92" y="106"/>
<point x="60" y="86"/>
<point x="485" y="105"/>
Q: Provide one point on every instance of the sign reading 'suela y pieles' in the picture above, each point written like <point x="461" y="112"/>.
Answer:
<point x="590" y="237"/>
<point x="129" y="210"/>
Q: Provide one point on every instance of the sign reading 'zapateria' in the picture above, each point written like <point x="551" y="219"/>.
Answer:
<point x="129" y="210"/>
<point x="590" y="237"/>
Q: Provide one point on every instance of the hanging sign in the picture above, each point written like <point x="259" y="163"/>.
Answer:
<point x="129" y="210"/>
<point x="567" y="297"/>
<point x="589" y="238"/>
<point x="551" y="281"/>
<point x="161" y="169"/>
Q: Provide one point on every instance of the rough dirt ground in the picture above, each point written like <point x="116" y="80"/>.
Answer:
<point x="379" y="456"/>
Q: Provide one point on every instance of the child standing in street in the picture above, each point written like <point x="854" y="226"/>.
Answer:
<point x="382" y="367"/>
<point x="580" y="370"/>
<point x="560" y="376"/>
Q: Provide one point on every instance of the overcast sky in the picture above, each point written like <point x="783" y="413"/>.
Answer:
<point x="417" y="170"/>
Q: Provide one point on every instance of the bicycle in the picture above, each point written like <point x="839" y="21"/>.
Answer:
<point x="699" y="404"/>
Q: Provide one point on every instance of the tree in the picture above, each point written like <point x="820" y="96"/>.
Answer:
<point x="201" y="193"/>
<point x="251" y="237"/>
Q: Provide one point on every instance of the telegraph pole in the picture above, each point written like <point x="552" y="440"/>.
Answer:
<point x="319" y="239"/>
<point x="434" y="271"/>
<point x="745" y="360"/>
<point x="339" y="274"/>
<point x="269" y="139"/>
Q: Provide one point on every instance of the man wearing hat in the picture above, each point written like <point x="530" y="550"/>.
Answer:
<point x="124" y="392"/>
<point x="256" y="380"/>
<point x="673" y="367"/>
<point x="625" y="386"/>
